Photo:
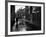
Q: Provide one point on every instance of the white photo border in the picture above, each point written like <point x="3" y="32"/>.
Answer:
<point x="29" y="32"/>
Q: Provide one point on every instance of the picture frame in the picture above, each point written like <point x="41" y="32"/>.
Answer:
<point x="36" y="9"/>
